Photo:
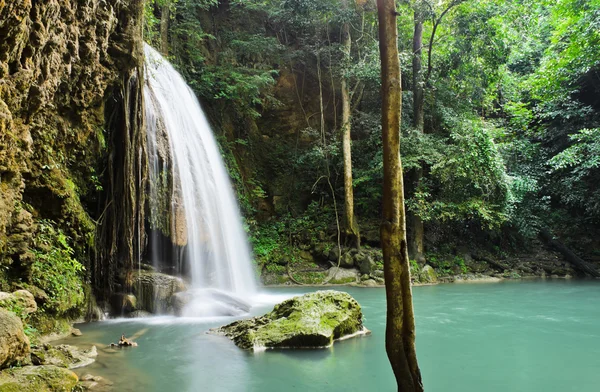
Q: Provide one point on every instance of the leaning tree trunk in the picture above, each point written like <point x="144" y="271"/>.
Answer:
<point x="352" y="234"/>
<point x="571" y="257"/>
<point x="416" y="247"/>
<point x="400" y="325"/>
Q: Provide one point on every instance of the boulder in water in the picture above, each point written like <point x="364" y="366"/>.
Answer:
<point x="154" y="290"/>
<point x="313" y="320"/>
<point x="46" y="378"/>
<point x="14" y="344"/>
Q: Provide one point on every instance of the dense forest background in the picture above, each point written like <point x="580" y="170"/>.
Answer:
<point x="499" y="133"/>
<point x="500" y="136"/>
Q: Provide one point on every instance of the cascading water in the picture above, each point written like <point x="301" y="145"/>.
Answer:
<point x="216" y="255"/>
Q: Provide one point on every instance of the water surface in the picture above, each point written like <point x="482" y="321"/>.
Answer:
<point x="510" y="336"/>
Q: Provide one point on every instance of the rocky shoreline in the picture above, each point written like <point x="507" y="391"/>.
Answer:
<point x="317" y="267"/>
<point x="28" y="365"/>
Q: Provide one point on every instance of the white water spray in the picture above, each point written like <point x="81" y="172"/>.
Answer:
<point x="217" y="254"/>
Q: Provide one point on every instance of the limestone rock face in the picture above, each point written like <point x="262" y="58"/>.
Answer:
<point x="46" y="378"/>
<point x="14" y="344"/>
<point x="59" y="60"/>
<point x="21" y="301"/>
<point x="154" y="291"/>
<point x="312" y="320"/>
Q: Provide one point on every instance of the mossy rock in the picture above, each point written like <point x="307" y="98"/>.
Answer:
<point x="37" y="379"/>
<point x="428" y="275"/>
<point x="63" y="355"/>
<point x="313" y="320"/>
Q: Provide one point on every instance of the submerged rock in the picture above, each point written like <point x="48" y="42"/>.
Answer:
<point x="46" y="378"/>
<point x="313" y="320"/>
<point x="139" y="314"/>
<point x="14" y="344"/>
<point x="154" y="290"/>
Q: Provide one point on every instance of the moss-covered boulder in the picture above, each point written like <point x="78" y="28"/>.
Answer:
<point x="312" y="320"/>
<point x="428" y="275"/>
<point x="14" y="344"/>
<point x="63" y="355"/>
<point x="37" y="379"/>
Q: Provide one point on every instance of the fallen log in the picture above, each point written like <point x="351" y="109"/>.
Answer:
<point x="571" y="257"/>
<point x="493" y="263"/>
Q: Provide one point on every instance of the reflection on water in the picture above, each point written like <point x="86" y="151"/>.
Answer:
<point x="513" y="336"/>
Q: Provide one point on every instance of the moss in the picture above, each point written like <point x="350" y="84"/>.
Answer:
<point x="47" y="324"/>
<point x="311" y="320"/>
<point x="37" y="379"/>
<point x="345" y="280"/>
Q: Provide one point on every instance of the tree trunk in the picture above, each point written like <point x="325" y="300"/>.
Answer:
<point x="164" y="28"/>
<point x="352" y="234"/>
<point x="400" y="325"/>
<point x="418" y="93"/>
<point x="415" y="247"/>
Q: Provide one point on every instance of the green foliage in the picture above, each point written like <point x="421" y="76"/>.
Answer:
<point x="55" y="271"/>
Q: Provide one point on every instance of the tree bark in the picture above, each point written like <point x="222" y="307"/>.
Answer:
<point x="352" y="234"/>
<point x="164" y="28"/>
<point x="400" y="325"/>
<point x="416" y="247"/>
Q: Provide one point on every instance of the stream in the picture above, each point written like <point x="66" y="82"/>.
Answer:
<point x="509" y="336"/>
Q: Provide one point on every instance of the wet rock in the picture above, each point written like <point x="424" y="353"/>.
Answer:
<point x="154" y="291"/>
<point x="45" y="378"/>
<point x="342" y="275"/>
<point x="370" y="283"/>
<point x="75" y="332"/>
<point x="14" y="344"/>
<point x="63" y="355"/>
<point x="139" y="314"/>
<point x="123" y="303"/>
<point x="313" y="320"/>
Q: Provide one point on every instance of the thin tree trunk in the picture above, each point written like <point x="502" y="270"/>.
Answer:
<point x="352" y="234"/>
<point x="400" y="325"/>
<point x="418" y="93"/>
<point x="416" y="247"/>
<point x="164" y="28"/>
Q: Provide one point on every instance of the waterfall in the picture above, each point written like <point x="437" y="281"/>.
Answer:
<point x="204" y="216"/>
